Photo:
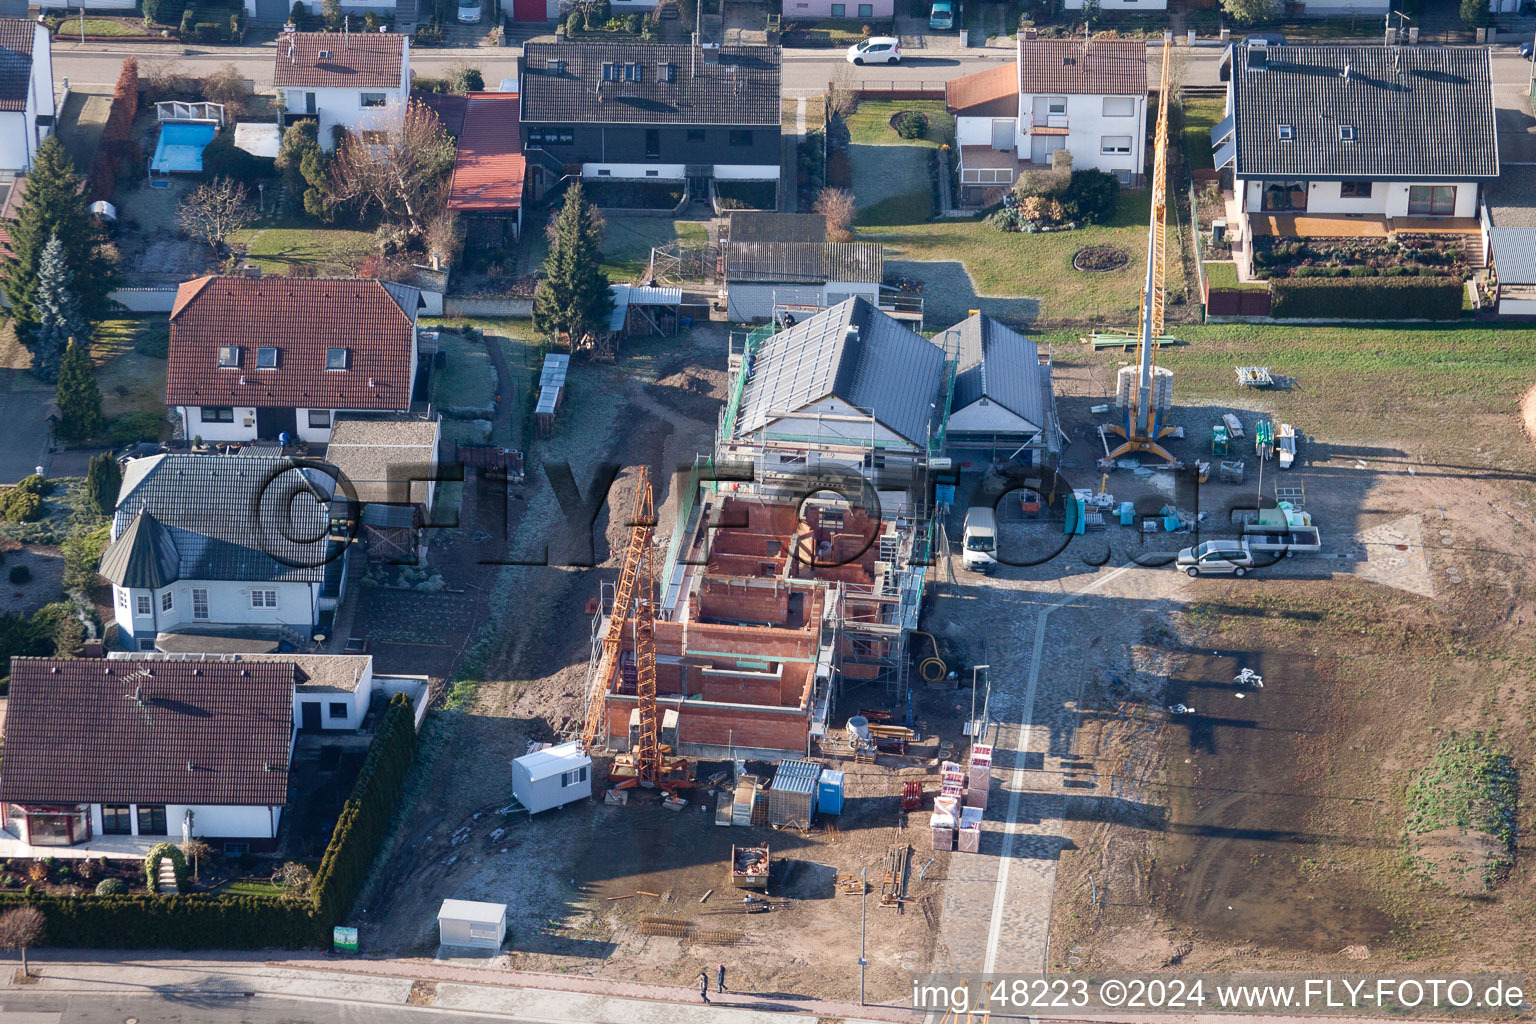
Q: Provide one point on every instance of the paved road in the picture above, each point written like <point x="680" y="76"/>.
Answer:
<point x="190" y="1008"/>
<point x="806" y="72"/>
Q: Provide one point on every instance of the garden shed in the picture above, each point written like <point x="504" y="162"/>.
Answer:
<point x="472" y="924"/>
<point x="552" y="777"/>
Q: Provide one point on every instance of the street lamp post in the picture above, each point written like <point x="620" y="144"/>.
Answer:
<point x="974" y="669"/>
<point x="863" y="920"/>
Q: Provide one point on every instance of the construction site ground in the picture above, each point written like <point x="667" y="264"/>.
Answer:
<point x="1284" y="804"/>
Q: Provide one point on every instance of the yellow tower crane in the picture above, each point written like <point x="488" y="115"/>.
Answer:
<point x="1143" y="427"/>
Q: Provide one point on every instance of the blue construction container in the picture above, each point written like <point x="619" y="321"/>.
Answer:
<point x="829" y="792"/>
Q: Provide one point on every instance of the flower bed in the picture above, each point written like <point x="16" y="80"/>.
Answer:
<point x="1402" y="256"/>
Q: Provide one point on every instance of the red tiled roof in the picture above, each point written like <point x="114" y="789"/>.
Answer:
<point x="89" y="730"/>
<point x="1103" y="67"/>
<point x="302" y="318"/>
<point x="488" y="173"/>
<point x="16" y="39"/>
<point x="448" y="108"/>
<point x="993" y="92"/>
<point x="357" y="60"/>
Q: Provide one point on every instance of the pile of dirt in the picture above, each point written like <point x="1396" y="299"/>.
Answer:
<point x="1461" y="859"/>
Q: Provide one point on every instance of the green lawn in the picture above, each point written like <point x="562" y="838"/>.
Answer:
<point x="249" y="887"/>
<point x="99" y="27"/>
<point x="330" y="251"/>
<point x="1040" y="265"/>
<point x="130" y="370"/>
<point x="628" y="242"/>
<point x="1415" y="389"/>
<point x="1200" y="116"/>
<point x="870" y="124"/>
<point x="1224" y="275"/>
<point x="467" y="378"/>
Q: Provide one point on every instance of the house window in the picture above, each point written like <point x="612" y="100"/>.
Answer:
<point x="611" y="72"/>
<point x="555" y="67"/>
<point x="141" y="604"/>
<point x="229" y="357"/>
<point x="652" y="144"/>
<point x="217" y="414"/>
<point x="695" y="134"/>
<point x="336" y="709"/>
<point x="263" y="599"/>
<point x="653" y="174"/>
<point x="482" y="933"/>
<point x="335" y="359"/>
<point x="116" y="820"/>
<point x="866" y="10"/>
<point x="1431" y="200"/>
<point x="1354" y="190"/>
<point x="151" y="819"/>
<point x="740" y="137"/>
<point x="1284" y="132"/>
<point x="266" y="358"/>
<point x="373" y="99"/>
<point x="320" y="419"/>
<point x="122" y="599"/>
<point x="167" y="601"/>
<point x="236" y="849"/>
<point x="555" y="136"/>
<point x="792" y="459"/>
<point x="839" y="10"/>
<point x="666" y="72"/>
<point x="1346" y="133"/>
<point x="374" y="138"/>
<point x="1111" y="144"/>
<point x="573" y="778"/>
<point x="146" y="645"/>
<point x="1119" y="106"/>
<point x="1284" y="195"/>
<point x="200" y="602"/>
<point x="1056" y="105"/>
<point x="604" y="173"/>
<point x="634" y="72"/>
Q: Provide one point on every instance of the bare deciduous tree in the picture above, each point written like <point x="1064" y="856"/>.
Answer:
<point x="228" y="86"/>
<point x="215" y="210"/>
<point x="403" y="170"/>
<point x="20" y="930"/>
<point x="293" y="878"/>
<point x="837" y="206"/>
<point x="194" y="849"/>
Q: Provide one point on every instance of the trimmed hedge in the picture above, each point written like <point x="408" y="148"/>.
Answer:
<point x="152" y="860"/>
<point x="115" y="144"/>
<point x="200" y="921"/>
<point x="1368" y="298"/>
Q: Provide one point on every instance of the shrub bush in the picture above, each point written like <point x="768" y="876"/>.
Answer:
<point x="1093" y="197"/>
<point x="573" y="24"/>
<point x="36" y="484"/>
<point x="20" y="574"/>
<point x="1372" y="298"/>
<point x="911" y="124"/>
<point x="19" y="506"/>
<point x="111" y="887"/>
<point x="1006" y="219"/>
<point x="152" y="860"/>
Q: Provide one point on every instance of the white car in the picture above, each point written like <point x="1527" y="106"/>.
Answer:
<point x="469" y="12"/>
<point x="876" y="50"/>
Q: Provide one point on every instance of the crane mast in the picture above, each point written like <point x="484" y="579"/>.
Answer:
<point x="1143" y="428"/>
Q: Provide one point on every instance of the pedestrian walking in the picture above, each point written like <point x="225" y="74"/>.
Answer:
<point x="720" y="979"/>
<point x="704" y="986"/>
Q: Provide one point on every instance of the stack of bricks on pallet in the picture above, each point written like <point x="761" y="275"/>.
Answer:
<point x="970" y="829"/>
<point x="946" y="818"/>
<point x="980" y="777"/>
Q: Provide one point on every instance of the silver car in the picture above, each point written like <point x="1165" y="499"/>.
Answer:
<point x="1216" y="556"/>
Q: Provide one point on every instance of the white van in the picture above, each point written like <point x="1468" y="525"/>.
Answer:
<point x="980" y="542"/>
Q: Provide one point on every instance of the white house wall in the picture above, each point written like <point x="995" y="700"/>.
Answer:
<point x="356" y="704"/>
<point x="1387" y="198"/>
<point x="16" y="145"/>
<point x="986" y="416"/>
<point x="747" y="172"/>
<point x="244" y="426"/>
<point x="19" y="133"/>
<point x="345" y="107"/>
<point x="1087" y="126"/>
<point x="641" y="172"/>
<point x="222" y="821"/>
<point x="1126" y="5"/>
<point x="229" y="603"/>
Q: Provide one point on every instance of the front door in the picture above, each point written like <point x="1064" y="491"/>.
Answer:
<point x="309" y="103"/>
<point x="1002" y="134"/>
<point x="271" y="422"/>
<point x="311" y="715"/>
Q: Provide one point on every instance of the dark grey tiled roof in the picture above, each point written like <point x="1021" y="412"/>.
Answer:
<point x="90" y="730"/>
<point x="737" y="85"/>
<point x="1428" y="116"/>
<point x="1001" y="365"/>
<point x="16" y="39"/>
<point x="882" y="368"/>
<point x="143" y="557"/>
<point x="258" y="519"/>
<point x="755" y="226"/>
<point x="1514" y="255"/>
<point x="804" y="262"/>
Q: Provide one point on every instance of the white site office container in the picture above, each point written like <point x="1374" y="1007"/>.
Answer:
<point x="472" y="924"/>
<point x="552" y="777"/>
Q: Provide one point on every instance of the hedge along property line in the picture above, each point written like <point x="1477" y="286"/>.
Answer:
<point x="115" y="144"/>
<point x="1366" y="298"/>
<point x="197" y="921"/>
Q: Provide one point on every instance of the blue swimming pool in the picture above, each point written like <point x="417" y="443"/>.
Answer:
<point x="181" y="147"/>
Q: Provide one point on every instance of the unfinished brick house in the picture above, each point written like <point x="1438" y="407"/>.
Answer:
<point x="765" y="610"/>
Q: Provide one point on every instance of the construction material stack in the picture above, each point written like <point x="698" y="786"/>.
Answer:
<point x="792" y="796"/>
<point x="945" y="819"/>
<point x="970" y="829"/>
<point x="979" y="776"/>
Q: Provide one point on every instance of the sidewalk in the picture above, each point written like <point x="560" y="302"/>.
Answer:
<point x="559" y="999"/>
